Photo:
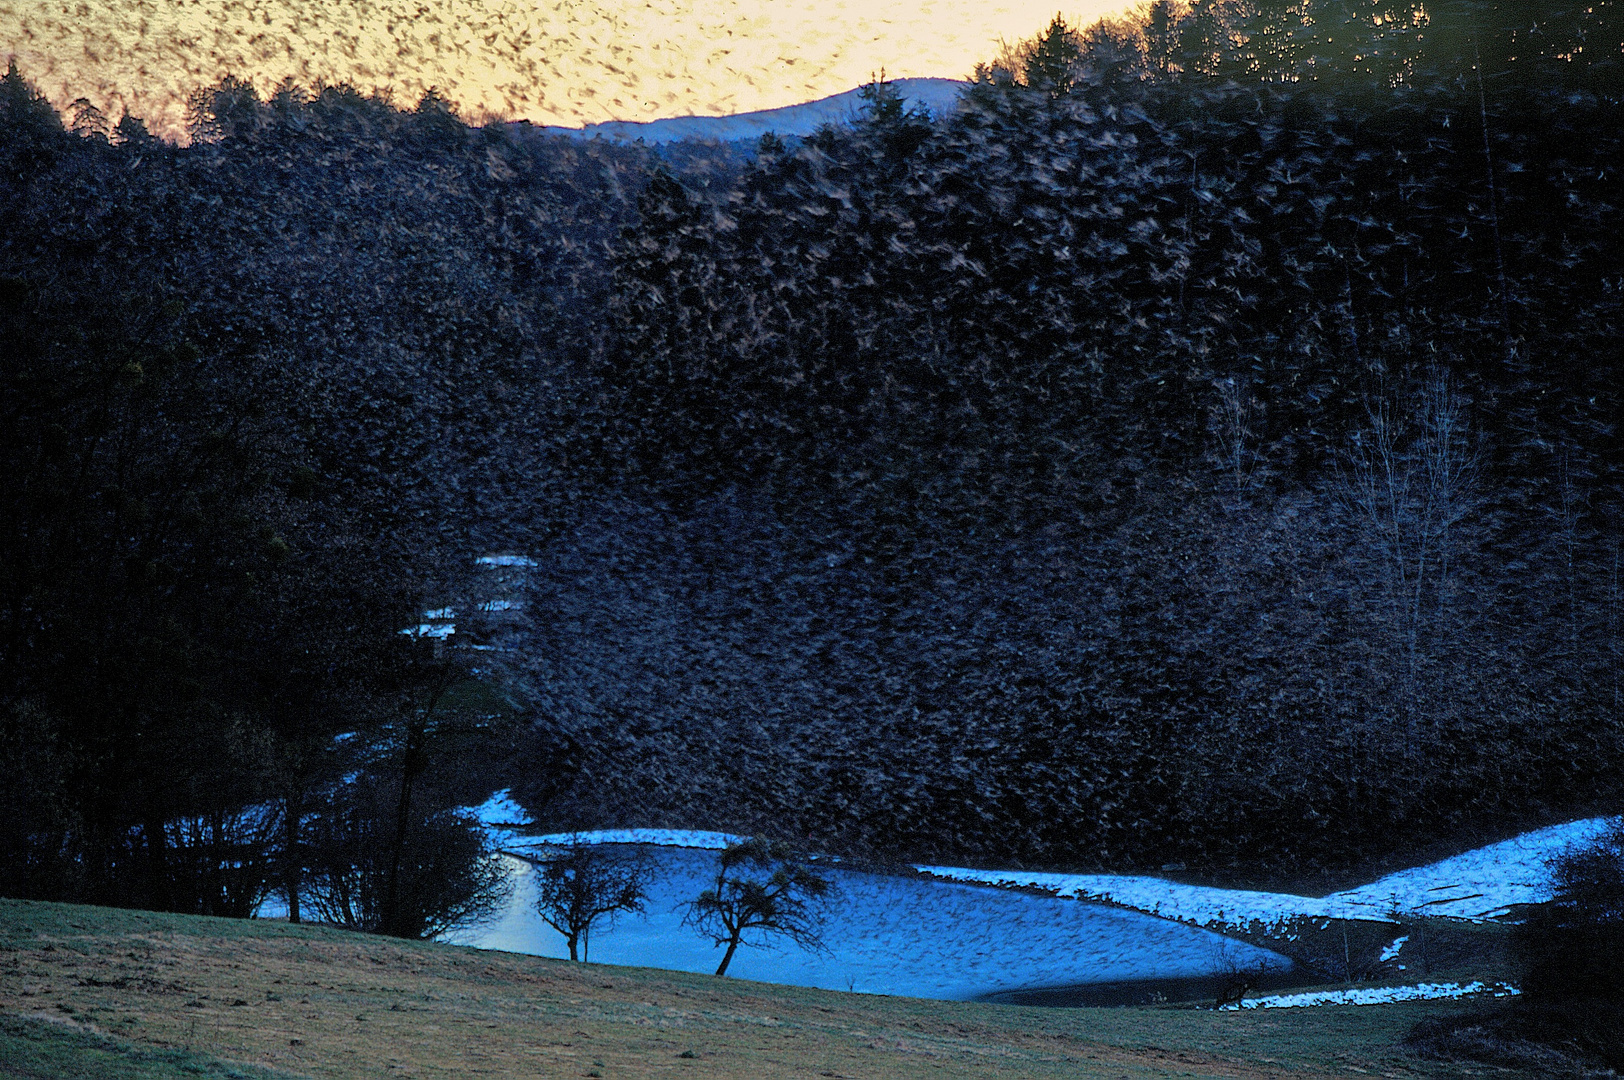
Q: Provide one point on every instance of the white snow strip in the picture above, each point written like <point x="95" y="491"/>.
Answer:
<point x="1380" y="995"/>
<point x="1476" y="885"/>
<point x="892" y="935"/>
<point x="431" y="630"/>
<point x="505" y="821"/>
<point x="505" y="560"/>
<point x="1391" y="951"/>
<point x="1198" y="904"/>
<point x="688" y="838"/>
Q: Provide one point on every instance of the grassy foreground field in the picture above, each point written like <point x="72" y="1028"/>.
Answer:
<point x="99" y="992"/>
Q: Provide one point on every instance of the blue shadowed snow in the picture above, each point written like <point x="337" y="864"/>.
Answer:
<point x="949" y="936"/>
<point x="892" y="935"/>
<point x="1476" y="885"/>
<point x="1479" y="885"/>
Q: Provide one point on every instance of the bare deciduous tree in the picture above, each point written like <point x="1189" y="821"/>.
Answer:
<point x="1410" y="480"/>
<point x="446" y="876"/>
<point x="1232" y="417"/>
<point x="761" y="885"/>
<point x="587" y="884"/>
<point x="1236" y="977"/>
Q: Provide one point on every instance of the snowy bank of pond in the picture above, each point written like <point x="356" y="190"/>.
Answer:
<point x="1379" y="995"/>
<point x="1479" y="885"/>
<point x="927" y="937"/>
<point x="896" y="935"/>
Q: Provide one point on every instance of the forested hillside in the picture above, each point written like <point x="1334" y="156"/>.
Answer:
<point x="1184" y="453"/>
<point x="265" y="396"/>
<point x="1199" y="448"/>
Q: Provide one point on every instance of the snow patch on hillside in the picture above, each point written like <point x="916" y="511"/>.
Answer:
<point x="506" y="823"/>
<point x="1477" y="885"/>
<point x="1480" y="884"/>
<point x="684" y="838"/>
<point x="1198" y="904"/>
<point x="1379" y="995"/>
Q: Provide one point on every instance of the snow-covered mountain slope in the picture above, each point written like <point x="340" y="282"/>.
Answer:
<point x="1478" y="885"/>
<point x="937" y="96"/>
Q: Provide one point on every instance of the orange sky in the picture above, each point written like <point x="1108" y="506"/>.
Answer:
<point x="549" y="61"/>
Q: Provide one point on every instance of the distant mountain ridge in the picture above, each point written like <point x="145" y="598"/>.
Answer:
<point x="938" y="96"/>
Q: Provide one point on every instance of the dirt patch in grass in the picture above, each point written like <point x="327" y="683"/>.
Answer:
<point x="310" y="1001"/>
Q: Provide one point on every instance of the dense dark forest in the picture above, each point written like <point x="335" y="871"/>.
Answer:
<point x="1199" y="448"/>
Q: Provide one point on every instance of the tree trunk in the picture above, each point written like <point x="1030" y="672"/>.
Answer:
<point x="292" y="864"/>
<point x="157" y="863"/>
<point x="414" y="762"/>
<point x="410" y="767"/>
<point x="727" y="957"/>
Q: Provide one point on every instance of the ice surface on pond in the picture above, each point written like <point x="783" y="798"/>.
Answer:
<point x="1380" y="995"/>
<point x="894" y="935"/>
<point x="1479" y="884"/>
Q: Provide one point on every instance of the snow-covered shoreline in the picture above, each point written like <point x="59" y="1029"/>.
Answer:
<point x="1378" y="995"/>
<point x="507" y="824"/>
<point x="1477" y="885"/>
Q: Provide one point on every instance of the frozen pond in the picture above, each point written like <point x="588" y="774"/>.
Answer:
<point x="896" y="935"/>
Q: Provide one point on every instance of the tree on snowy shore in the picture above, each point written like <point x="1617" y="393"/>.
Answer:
<point x="586" y="884"/>
<point x="761" y="885"/>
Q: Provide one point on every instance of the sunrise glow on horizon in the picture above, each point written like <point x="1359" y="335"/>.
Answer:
<point x="547" y="61"/>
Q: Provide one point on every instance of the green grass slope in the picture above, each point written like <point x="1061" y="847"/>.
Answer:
<point x="95" y="991"/>
<point x="44" y="1049"/>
